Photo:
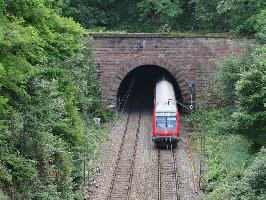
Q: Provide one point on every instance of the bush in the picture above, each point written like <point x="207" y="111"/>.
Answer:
<point x="241" y="80"/>
<point x="232" y="173"/>
<point x="253" y="183"/>
<point x="228" y="154"/>
<point x="260" y="26"/>
<point x="48" y="95"/>
<point x="250" y="115"/>
<point x="229" y="72"/>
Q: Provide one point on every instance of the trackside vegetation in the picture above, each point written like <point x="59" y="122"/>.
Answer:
<point x="49" y="94"/>
<point x="49" y="91"/>
<point x="235" y="125"/>
<point x="234" y="169"/>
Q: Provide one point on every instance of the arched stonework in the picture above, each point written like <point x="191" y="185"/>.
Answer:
<point x="142" y="61"/>
<point x="184" y="57"/>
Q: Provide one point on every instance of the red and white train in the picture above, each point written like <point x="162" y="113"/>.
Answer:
<point x="166" y="117"/>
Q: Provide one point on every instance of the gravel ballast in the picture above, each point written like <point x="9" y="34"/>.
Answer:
<point x="145" y="175"/>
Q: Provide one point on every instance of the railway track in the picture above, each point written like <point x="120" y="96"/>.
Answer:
<point x="123" y="172"/>
<point x="167" y="175"/>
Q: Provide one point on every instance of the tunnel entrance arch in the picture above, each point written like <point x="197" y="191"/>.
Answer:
<point x="173" y="69"/>
<point x="195" y="56"/>
<point x="143" y="79"/>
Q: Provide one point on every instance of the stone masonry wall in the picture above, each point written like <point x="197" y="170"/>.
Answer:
<point x="186" y="58"/>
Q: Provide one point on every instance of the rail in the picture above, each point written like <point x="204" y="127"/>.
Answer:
<point x="123" y="173"/>
<point x="167" y="176"/>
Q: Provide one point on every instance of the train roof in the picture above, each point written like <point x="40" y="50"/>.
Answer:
<point x="165" y="96"/>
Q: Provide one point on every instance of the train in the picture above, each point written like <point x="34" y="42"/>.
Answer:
<point x="166" y="116"/>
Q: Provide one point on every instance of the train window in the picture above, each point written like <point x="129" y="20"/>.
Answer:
<point x="171" y="122"/>
<point x="161" y="122"/>
<point x="165" y="123"/>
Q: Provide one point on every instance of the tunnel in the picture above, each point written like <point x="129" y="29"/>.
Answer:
<point x="139" y="84"/>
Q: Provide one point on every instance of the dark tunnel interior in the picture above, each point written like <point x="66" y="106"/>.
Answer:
<point x="139" y="84"/>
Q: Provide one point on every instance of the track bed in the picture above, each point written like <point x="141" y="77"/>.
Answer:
<point x="167" y="175"/>
<point x="124" y="168"/>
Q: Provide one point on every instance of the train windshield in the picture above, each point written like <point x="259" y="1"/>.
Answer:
<point x="165" y="123"/>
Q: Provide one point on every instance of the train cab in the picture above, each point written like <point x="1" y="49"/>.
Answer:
<point x="166" y="118"/>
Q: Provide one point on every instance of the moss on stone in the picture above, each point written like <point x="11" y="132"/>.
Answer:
<point x="165" y="35"/>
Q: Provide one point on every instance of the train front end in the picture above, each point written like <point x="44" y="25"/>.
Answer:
<point x="166" y="118"/>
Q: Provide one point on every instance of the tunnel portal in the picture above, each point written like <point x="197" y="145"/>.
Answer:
<point x="139" y="85"/>
<point x="190" y="58"/>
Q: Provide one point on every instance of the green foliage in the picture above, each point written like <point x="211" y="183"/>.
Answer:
<point x="235" y="132"/>
<point x="229" y="72"/>
<point x="131" y="16"/>
<point x="160" y="11"/>
<point x="253" y="183"/>
<point x="251" y="97"/>
<point x="260" y="26"/>
<point x="241" y="14"/>
<point x="3" y="196"/>
<point x="168" y="15"/>
<point x="48" y="84"/>
<point x="228" y="15"/>
<point x="207" y="17"/>
<point x="17" y="172"/>
<point x="241" y="80"/>
<point x="228" y="154"/>
<point x="93" y="13"/>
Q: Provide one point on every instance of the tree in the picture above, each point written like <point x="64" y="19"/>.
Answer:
<point x="228" y="15"/>
<point x="160" y="11"/>
<point x="41" y="129"/>
<point x="251" y="97"/>
<point x="260" y="26"/>
<point x="94" y="13"/>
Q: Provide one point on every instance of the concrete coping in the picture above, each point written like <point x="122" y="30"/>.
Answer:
<point x="164" y="35"/>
